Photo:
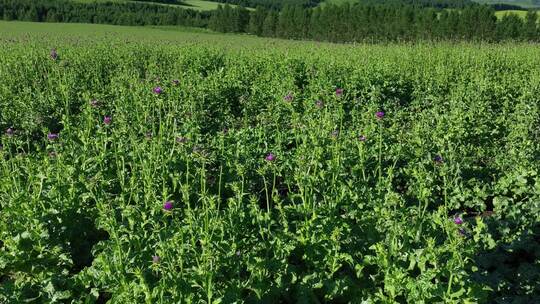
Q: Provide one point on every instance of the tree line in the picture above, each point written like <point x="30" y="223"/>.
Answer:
<point x="271" y="4"/>
<point x="117" y="13"/>
<point x="375" y="23"/>
<point x="278" y="4"/>
<point x="334" y="23"/>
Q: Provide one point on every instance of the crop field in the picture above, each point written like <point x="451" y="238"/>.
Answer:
<point x="164" y="165"/>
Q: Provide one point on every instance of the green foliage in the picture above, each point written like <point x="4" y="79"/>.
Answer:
<point x="353" y="208"/>
<point x="227" y="19"/>
<point x="364" y="22"/>
<point x="118" y="12"/>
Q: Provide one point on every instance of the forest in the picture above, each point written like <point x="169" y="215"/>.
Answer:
<point x="391" y="20"/>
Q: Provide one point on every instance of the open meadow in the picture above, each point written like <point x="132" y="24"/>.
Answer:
<point x="174" y="165"/>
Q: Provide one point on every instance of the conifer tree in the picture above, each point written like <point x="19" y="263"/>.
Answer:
<point x="270" y="24"/>
<point x="531" y="27"/>
<point x="256" y="20"/>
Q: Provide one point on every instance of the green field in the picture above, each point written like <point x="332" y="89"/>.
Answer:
<point x="201" y="5"/>
<point x="338" y="2"/>
<point x="171" y="165"/>
<point x="522" y="3"/>
<point x="149" y="34"/>
<point x="521" y="14"/>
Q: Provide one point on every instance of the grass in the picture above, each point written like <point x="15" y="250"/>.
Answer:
<point x="338" y="2"/>
<point x="204" y="5"/>
<point x="521" y="14"/>
<point x="401" y="173"/>
<point x="176" y="34"/>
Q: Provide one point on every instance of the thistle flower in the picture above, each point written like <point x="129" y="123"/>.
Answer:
<point x="155" y="259"/>
<point x="362" y="138"/>
<point x="458" y="220"/>
<point x="339" y="92"/>
<point x="52" y="136"/>
<point x="379" y="115"/>
<point x="270" y="157"/>
<point x="107" y="120"/>
<point x="438" y="159"/>
<point x="319" y="104"/>
<point x="288" y="97"/>
<point x="54" y="54"/>
<point x="168" y="205"/>
<point x="158" y="90"/>
<point x="9" y="132"/>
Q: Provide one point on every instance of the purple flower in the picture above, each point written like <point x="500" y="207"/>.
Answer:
<point x="181" y="139"/>
<point x="158" y="90"/>
<point x="288" y="97"/>
<point x="270" y="157"/>
<point x="362" y="138"/>
<point x="458" y="220"/>
<point x="52" y="136"/>
<point x="155" y="259"/>
<point x="54" y="54"/>
<point x="379" y="115"/>
<point x="176" y="82"/>
<point x="94" y="103"/>
<point x="319" y="104"/>
<point x="438" y="159"/>
<point x="9" y="132"/>
<point x="339" y="92"/>
<point x="107" y="120"/>
<point x="168" y="205"/>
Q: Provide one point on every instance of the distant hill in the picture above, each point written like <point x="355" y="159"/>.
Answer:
<point x="498" y="5"/>
<point x="277" y="4"/>
<point x="522" y="3"/>
<point x="420" y="3"/>
<point x="198" y="5"/>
